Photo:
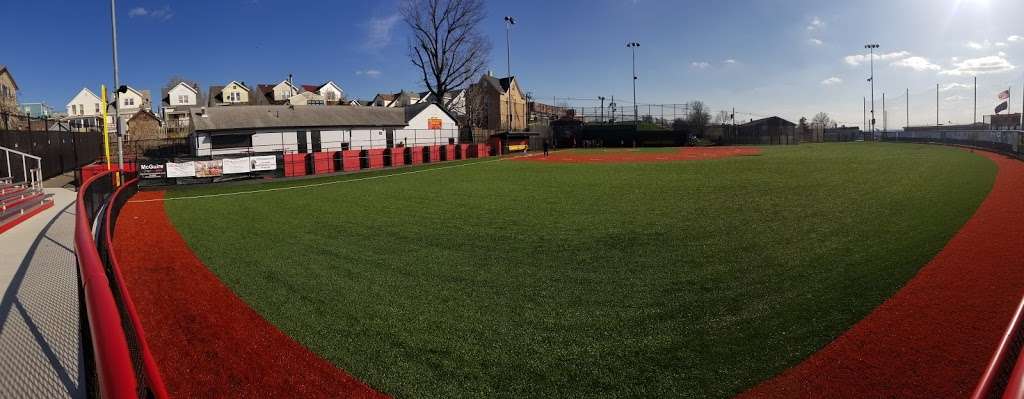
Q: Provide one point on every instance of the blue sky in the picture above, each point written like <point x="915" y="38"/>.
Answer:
<point x="763" y="57"/>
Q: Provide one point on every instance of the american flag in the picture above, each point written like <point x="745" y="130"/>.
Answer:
<point x="1005" y="94"/>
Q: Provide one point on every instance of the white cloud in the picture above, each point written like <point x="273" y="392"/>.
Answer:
<point x="956" y="98"/>
<point x="729" y="61"/>
<point x="1000" y="44"/>
<point x="1015" y="38"/>
<point x="378" y="31"/>
<point x="373" y="73"/>
<point x="1001" y="54"/>
<point x="980" y="66"/>
<point x="163" y="13"/>
<point x="978" y="46"/>
<point x="700" y="64"/>
<point x="816" y="42"/>
<point x="858" y="59"/>
<point x="816" y="23"/>
<point x="832" y="81"/>
<point x="956" y="86"/>
<point x="919" y="64"/>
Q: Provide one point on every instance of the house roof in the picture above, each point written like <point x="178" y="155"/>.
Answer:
<point x="3" y="68"/>
<point x="768" y="119"/>
<point x="311" y="88"/>
<point x="283" y="116"/>
<point x="144" y="113"/>
<point x="86" y="90"/>
<point x="415" y="109"/>
<point x="215" y="96"/>
<point x="501" y="85"/>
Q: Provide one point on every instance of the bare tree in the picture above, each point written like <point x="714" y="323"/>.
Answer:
<point x="698" y="118"/>
<point x="822" y="119"/>
<point x="721" y="118"/>
<point x="446" y="43"/>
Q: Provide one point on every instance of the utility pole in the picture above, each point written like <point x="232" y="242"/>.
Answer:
<point x="936" y="104"/>
<point x="908" y="110"/>
<point x="864" y="116"/>
<point x="509" y="21"/>
<point x="885" y="116"/>
<point x="602" y="107"/>
<point x="117" y="85"/>
<point x="975" y="100"/>
<point x="636" y="111"/>
<point x="871" y="48"/>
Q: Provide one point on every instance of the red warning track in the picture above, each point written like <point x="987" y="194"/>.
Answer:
<point x="634" y="156"/>
<point x="933" y="338"/>
<point x="207" y="341"/>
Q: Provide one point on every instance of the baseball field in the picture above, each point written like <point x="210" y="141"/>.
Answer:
<point x="593" y="276"/>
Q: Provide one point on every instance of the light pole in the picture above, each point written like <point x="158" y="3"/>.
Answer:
<point x="509" y="21"/>
<point x="636" y="112"/>
<point x="871" y="48"/>
<point x="117" y="84"/>
<point x="602" y="107"/>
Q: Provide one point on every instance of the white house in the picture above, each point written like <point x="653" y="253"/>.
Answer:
<point x="84" y="110"/>
<point x="281" y="92"/>
<point x="175" y="105"/>
<point x="331" y="92"/>
<point x="130" y="102"/>
<point x="289" y="129"/>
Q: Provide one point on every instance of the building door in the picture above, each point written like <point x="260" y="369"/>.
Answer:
<point x="315" y="137"/>
<point x="300" y="141"/>
<point x="390" y="138"/>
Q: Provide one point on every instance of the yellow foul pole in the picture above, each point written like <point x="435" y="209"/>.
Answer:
<point x="106" y="138"/>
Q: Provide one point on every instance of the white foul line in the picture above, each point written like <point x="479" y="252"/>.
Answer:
<point x="321" y="184"/>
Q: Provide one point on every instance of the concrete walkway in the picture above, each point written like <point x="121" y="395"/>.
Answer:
<point x="40" y="343"/>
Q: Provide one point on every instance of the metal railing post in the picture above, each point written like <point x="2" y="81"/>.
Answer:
<point x="24" y="170"/>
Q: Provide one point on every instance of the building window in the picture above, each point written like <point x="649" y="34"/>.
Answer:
<point x="97" y="108"/>
<point x="330" y="96"/>
<point x="74" y="109"/>
<point x="183" y="99"/>
<point x="231" y="141"/>
<point x="128" y="102"/>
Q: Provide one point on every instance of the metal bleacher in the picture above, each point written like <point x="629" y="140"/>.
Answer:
<point x="21" y="189"/>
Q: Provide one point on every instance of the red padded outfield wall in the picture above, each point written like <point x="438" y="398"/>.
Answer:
<point x="350" y="160"/>
<point x="323" y="162"/>
<point x="295" y="165"/>
<point x="415" y="155"/>
<point x="376" y="158"/>
<point x="396" y="156"/>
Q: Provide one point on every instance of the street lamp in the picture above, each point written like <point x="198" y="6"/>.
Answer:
<point x="636" y="116"/>
<point x="602" y="107"/>
<point x="871" y="48"/>
<point x="509" y="21"/>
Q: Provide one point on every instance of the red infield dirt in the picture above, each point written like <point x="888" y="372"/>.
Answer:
<point x="933" y="338"/>
<point x="206" y="341"/>
<point x="633" y="156"/>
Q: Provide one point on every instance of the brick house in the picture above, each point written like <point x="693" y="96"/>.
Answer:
<point x="496" y="104"/>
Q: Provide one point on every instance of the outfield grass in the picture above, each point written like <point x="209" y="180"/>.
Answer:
<point x="508" y="279"/>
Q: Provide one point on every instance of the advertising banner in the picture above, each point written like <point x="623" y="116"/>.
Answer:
<point x="212" y="168"/>
<point x="182" y="169"/>
<point x="266" y="162"/>
<point x="152" y="170"/>
<point x="237" y="165"/>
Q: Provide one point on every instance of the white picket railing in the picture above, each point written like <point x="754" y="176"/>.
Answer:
<point x="32" y="177"/>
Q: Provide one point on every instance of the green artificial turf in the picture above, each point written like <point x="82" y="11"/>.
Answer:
<point x="510" y="279"/>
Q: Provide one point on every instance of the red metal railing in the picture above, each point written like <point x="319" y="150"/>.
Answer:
<point x="1004" y="376"/>
<point x="123" y="365"/>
